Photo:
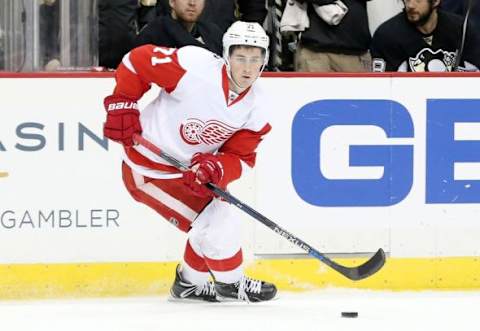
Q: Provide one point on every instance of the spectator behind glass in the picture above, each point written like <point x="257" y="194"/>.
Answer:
<point x="2" y="49"/>
<point x="329" y="46"/>
<point x="225" y="12"/>
<point x="424" y="38"/>
<point x="182" y="28"/>
<point x="49" y="24"/>
<point x="117" y="30"/>
<point x="460" y="7"/>
<point x="220" y="12"/>
<point x="150" y="9"/>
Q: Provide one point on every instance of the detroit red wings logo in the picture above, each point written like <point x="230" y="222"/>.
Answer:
<point x="195" y="131"/>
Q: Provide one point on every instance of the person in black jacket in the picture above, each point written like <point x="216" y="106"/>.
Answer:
<point x="117" y="30"/>
<point x="220" y="12"/>
<point x="460" y="7"/>
<point x="225" y="12"/>
<point x="340" y="48"/>
<point x="181" y="28"/>
<point x="424" y="38"/>
<point x="49" y="32"/>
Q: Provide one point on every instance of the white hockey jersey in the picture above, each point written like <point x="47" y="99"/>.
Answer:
<point x="192" y="113"/>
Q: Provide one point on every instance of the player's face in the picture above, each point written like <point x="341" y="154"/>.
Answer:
<point x="187" y="10"/>
<point x="419" y="11"/>
<point x="245" y="65"/>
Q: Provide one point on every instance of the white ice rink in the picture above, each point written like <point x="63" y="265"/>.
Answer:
<point x="320" y="310"/>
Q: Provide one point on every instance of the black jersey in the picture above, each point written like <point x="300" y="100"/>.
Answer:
<point x="398" y="45"/>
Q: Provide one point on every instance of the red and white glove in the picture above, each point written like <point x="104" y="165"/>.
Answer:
<point x="206" y="168"/>
<point x="123" y="119"/>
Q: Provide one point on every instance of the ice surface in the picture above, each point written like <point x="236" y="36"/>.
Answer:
<point x="318" y="310"/>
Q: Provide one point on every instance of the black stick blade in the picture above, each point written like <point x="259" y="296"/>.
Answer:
<point x="367" y="269"/>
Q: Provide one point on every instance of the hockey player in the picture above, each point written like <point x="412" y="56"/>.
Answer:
<point x="424" y="38"/>
<point x="209" y="114"/>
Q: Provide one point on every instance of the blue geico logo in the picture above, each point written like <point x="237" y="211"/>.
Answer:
<point x="391" y="165"/>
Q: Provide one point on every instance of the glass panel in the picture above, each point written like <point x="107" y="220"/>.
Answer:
<point x="37" y="35"/>
<point x="12" y="35"/>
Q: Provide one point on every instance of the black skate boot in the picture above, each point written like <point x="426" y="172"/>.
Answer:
<point x="246" y="289"/>
<point x="181" y="289"/>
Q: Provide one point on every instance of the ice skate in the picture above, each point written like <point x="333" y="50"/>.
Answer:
<point x="246" y="289"/>
<point x="183" y="290"/>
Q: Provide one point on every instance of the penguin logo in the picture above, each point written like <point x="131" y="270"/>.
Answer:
<point x="433" y="61"/>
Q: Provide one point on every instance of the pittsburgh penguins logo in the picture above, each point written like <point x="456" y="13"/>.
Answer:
<point x="428" y="60"/>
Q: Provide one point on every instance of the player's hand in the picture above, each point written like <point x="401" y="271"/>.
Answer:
<point x="123" y="119"/>
<point x="195" y="187"/>
<point x="206" y="168"/>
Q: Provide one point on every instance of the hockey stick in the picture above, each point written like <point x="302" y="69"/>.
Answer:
<point x="459" y="51"/>
<point x="354" y="273"/>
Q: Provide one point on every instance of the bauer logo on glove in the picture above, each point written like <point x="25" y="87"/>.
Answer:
<point x="122" y="105"/>
<point x="123" y="119"/>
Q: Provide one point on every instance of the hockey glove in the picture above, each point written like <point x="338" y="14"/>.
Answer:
<point x="206" y="168"/>
<point x="195" y="187"/>
<point x="209" y="168"/>
<point x="123" y="119"/>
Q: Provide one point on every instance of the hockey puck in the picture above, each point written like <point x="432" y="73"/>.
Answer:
<point x="349" y="314"/>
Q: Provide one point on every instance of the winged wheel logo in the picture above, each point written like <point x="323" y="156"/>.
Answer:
<point x="211" y="132"/>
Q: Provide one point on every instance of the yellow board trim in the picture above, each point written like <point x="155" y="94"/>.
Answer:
<point x="36" y="281"/>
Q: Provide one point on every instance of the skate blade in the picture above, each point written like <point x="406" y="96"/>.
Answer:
<point x="188" y="301"/>
<point x="225" y="299"/>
